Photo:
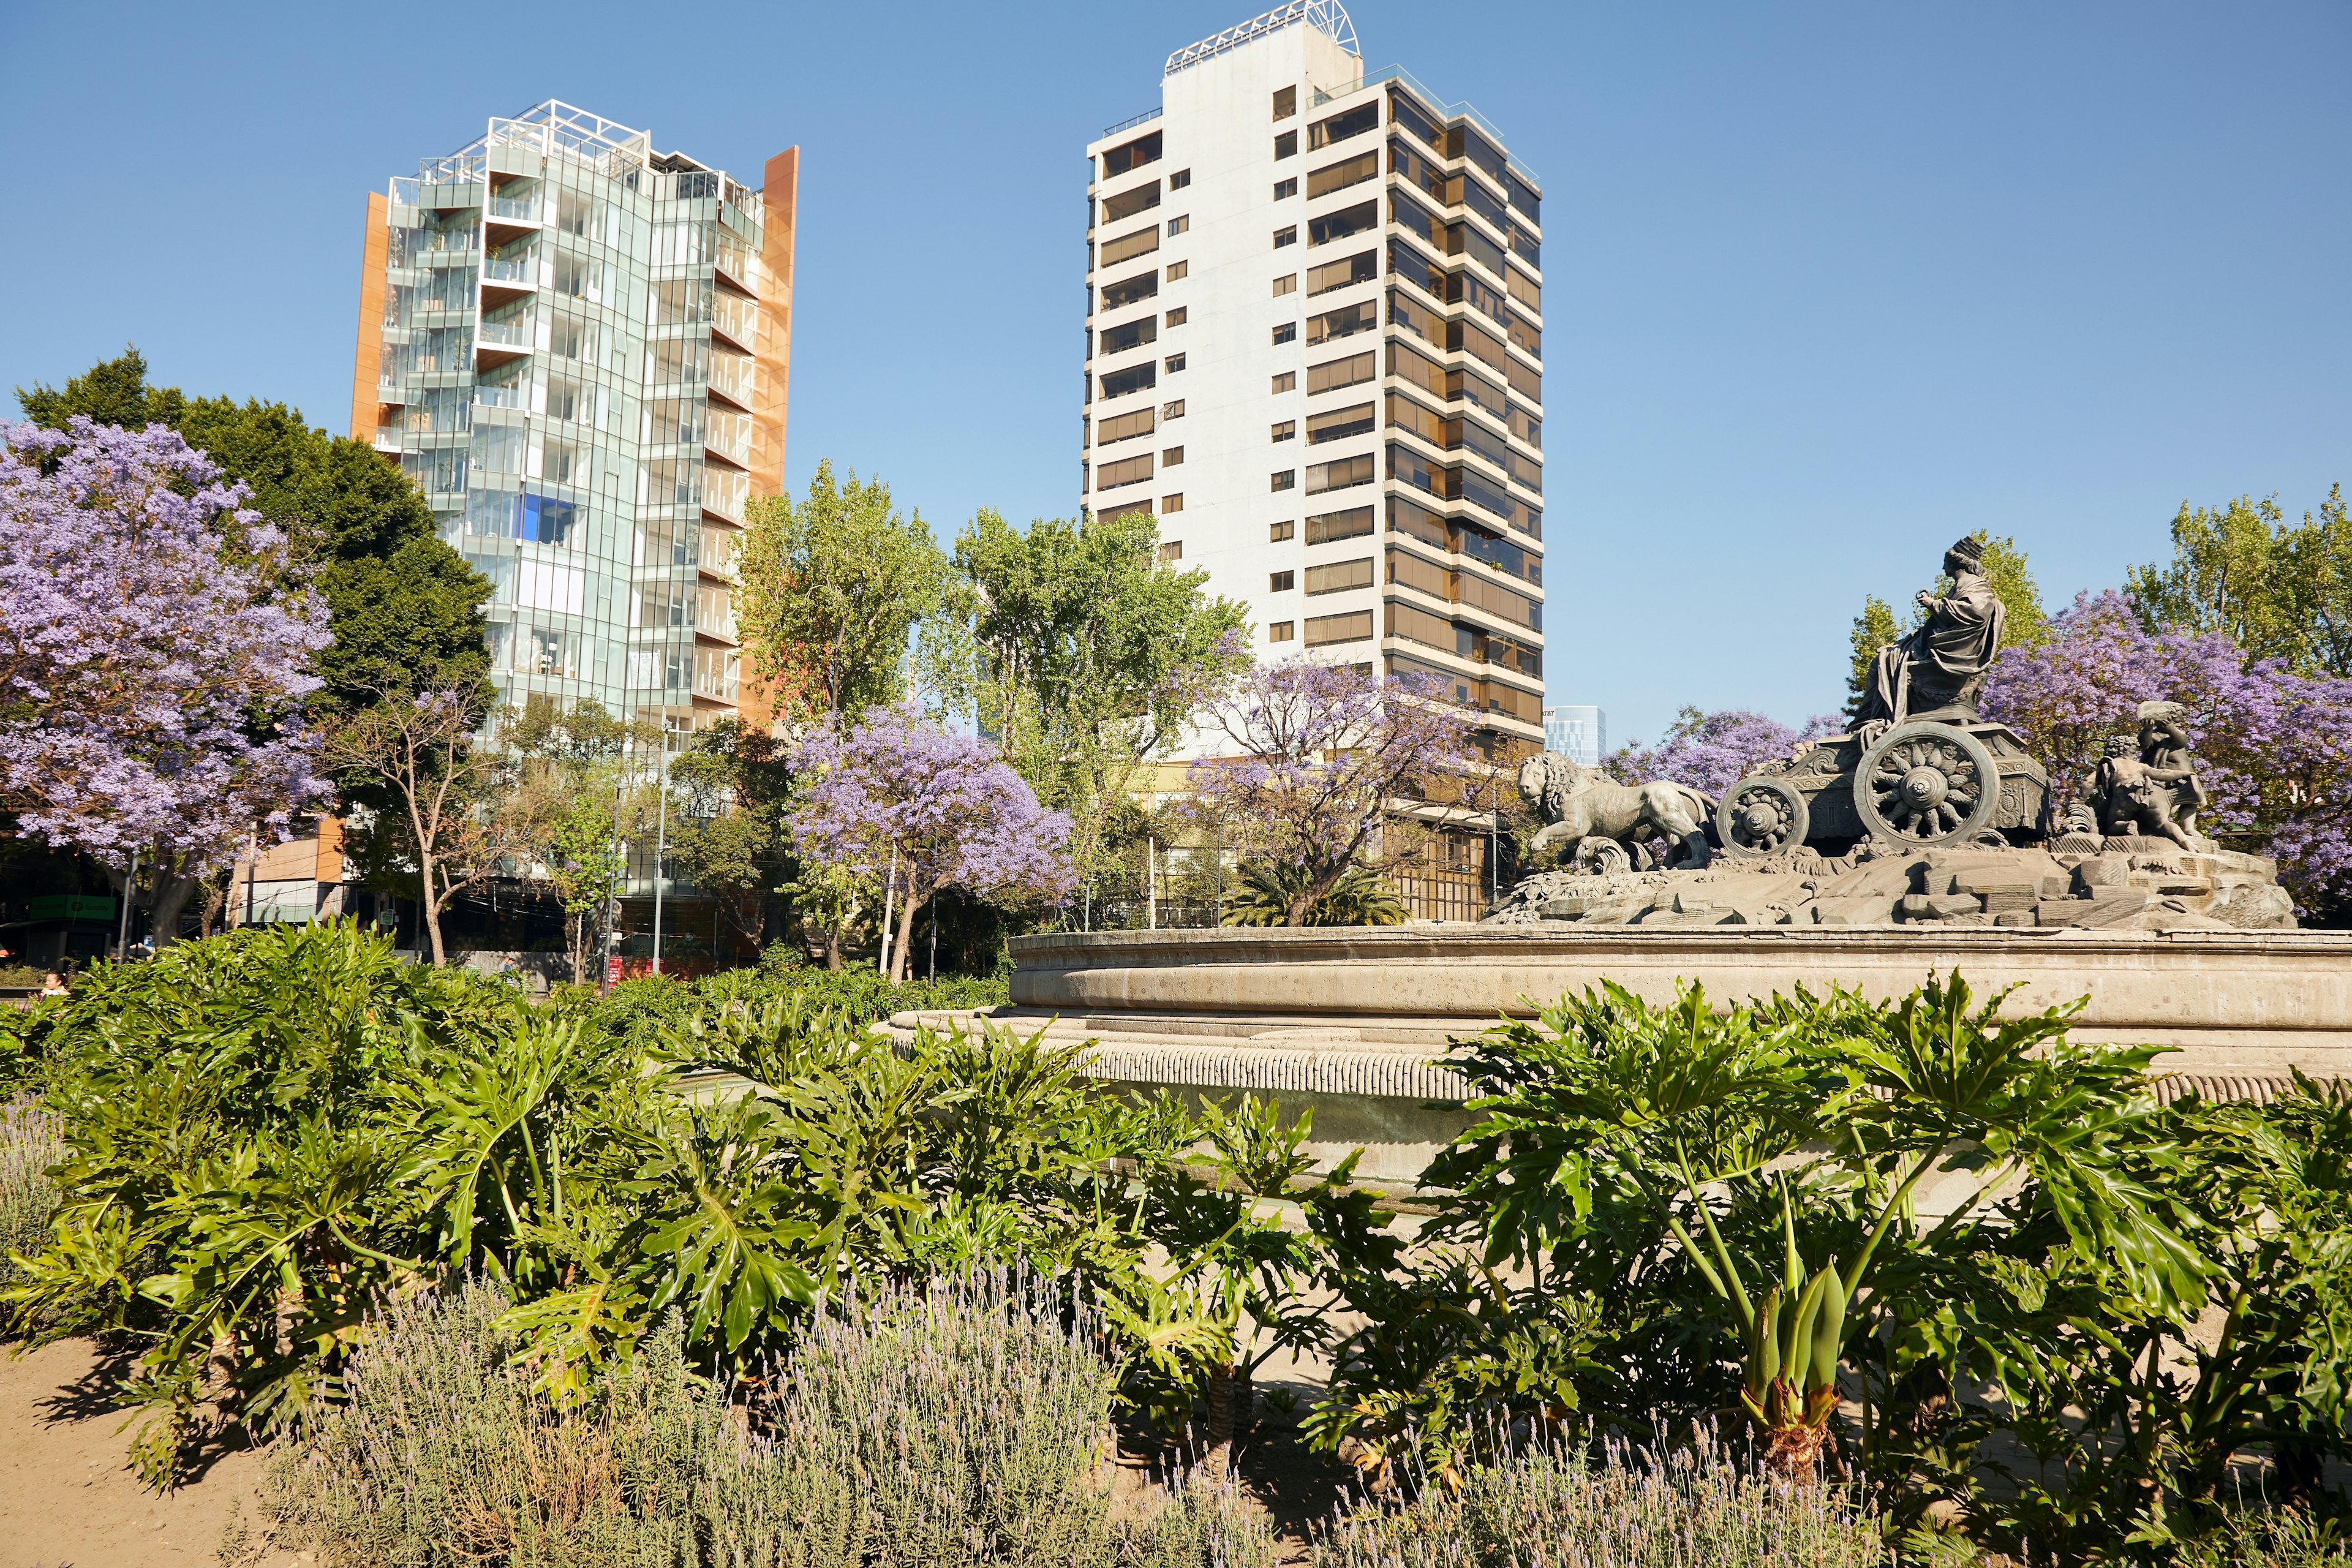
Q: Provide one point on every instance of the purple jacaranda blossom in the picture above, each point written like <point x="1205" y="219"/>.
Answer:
<point x="2276" y="747"/>
<point x="1327" y="764"/>
<point x="151" y="672"/>
<point x="928" y="810"/>
<point x="1708" y="752"/>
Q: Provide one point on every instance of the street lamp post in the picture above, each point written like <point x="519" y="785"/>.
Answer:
<point x="661" y="837"/>
<point x="122" y="932"/>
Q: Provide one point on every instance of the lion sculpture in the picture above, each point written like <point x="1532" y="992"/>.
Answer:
<point x="1577" y="804"/>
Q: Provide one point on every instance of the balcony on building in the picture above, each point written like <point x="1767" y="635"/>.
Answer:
<point x="515" y="210"/>
<point x="495" y="342"/>
<point x="507" y="279"/>
<point x="735" y="323"/>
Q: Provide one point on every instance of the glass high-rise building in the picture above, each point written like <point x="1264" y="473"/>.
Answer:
<point x="577" y="348"/>
<point x="1315" y="356"/>
<point x="1578" y="731"/>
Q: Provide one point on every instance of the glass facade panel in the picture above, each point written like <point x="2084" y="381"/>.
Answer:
<point x="570" y="328"/>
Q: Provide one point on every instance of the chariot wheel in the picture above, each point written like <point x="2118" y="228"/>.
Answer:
<point x="1926" y="783"/>
<point x="1760" y="816"/>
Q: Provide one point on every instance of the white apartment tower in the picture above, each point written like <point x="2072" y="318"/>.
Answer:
<point x="1314" y="353"/>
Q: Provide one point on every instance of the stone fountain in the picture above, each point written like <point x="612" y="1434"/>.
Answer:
<point x="1922" y="842"/>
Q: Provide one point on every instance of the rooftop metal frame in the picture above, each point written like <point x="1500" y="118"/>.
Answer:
<point x="1329" y="14"/>
<point x="557" y="128"/>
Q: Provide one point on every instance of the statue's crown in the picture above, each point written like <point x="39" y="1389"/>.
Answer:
<point x="1970" y="550"/>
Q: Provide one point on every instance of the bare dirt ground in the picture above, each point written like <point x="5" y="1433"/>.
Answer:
<point x="66" y="1495"/>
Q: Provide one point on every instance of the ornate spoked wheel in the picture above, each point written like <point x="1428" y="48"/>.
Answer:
<point x="1926" y="783"/>
<point x="1759" y="817"/>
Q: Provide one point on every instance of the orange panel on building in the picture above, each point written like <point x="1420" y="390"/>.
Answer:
<point x="780" y="196"/>
<point x="369" y="358"/>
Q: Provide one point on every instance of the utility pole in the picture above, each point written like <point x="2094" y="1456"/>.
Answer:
<point x="889" y="886"/>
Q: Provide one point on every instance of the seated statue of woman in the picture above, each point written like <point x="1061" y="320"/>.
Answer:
<point x="1937" y="670"/>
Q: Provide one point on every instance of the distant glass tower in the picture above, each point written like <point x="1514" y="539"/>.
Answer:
<point x="1578" y="733"/>
<point x="578" y="348"/>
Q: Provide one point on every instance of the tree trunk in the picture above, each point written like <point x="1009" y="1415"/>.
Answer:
<point x="429" y="906"/>
<point x="1794" y="1453"/>
<point x="171" y="894"/>
<point x="579" y="941"/>
<point x="906" y="935"/>
<point x="747" y="911"/>
<point x="833" y="945"/>
<point x="215" y="905"/>
<point x="170" y="903"/>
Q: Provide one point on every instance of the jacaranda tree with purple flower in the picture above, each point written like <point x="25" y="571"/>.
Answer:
<point x="2276" y="747"/>
<point x="151" y="675"/>
<point x="1327" y="764"/>
<point x="1709" y="751"/>
<point x="926" y="810"/>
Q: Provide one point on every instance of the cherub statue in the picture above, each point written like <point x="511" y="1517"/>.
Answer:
<point x="2163" y="749"/>
<point x="2147" y="783"/>
<point x="2129" y="801"/>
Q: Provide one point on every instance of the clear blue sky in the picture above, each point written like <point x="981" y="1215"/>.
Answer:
<point x="1827" y="285"/>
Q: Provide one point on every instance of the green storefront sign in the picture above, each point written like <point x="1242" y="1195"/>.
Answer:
<point x="70" y="906"/>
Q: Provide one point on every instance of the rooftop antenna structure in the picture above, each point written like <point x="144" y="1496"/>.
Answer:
<point x="1329" y="14"/>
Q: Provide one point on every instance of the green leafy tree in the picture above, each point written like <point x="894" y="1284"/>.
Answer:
<point x="834" y="586"/>
<point x="1090" y="654"/>
<point x="112" y="392"/>
<point x="732" y="786"/>
<point x="588" y="804"/>
<point x="454" y="812"/>
<point x="1873" y="630"/>
<point x="2280" y="590"/>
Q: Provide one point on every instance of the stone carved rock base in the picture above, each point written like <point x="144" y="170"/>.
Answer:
<point x="2121" y="883"/>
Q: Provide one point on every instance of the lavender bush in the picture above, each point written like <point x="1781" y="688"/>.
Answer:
<point x="964" y="1419"/>
<point x="32" y="1139"/>
<point x="979" y="1418"/>
<point x="444" y="1454"/>
<point x="1695" y="1508"/>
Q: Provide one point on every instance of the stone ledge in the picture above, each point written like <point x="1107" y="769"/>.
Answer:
<point x="1245" y="1062"/>
<point x="2247" y="1005"/>
<point x="1305" y="1060"/>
